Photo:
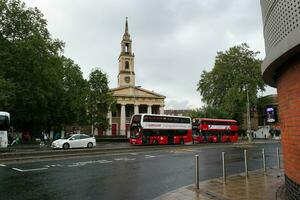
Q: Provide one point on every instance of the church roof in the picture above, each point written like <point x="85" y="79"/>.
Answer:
<point x="134" y="91"/>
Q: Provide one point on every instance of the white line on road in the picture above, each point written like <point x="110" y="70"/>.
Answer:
<point x="29" y="170"/>
<point x="124" y="159"/>
<point x="149" y="156"/>
<point x="1" y="165"/>
<point x="79" y="164"/>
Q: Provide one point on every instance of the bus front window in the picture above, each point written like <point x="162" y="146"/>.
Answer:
<point x="4" y="123"/>
<point x="135" y="132"/>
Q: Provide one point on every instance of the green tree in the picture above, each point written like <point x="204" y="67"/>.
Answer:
<point x="235" y="72"/>
<point x="41" y="88"/>
<point x="99" y="100"/>
<point x="75" y="93"/>
<point x="208" y="112"/>
<point x="7" y="91"/>
<point x="30" y="60"/>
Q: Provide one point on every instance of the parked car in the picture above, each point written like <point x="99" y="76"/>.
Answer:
<point x="74" y="141"/>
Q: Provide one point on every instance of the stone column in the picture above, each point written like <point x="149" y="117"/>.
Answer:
<point x="123" y="120"/>
<point x="51" y="135"/>
<point x="161" y="110"/>
<point x="136" y="109"/>
<point x="109" y="117"/>
<point x="149" y="110"/>
<point x="62" y="135"/>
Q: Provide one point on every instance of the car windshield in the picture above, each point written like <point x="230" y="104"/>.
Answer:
<point x="68" y="136"/>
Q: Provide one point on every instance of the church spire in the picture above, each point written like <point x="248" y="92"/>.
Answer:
<point x="126" y="75"/>
<point x="126" y="26"/>
<point x="126" y="35"/>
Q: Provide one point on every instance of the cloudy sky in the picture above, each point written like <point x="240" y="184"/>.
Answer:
<point x="173" y="40"/>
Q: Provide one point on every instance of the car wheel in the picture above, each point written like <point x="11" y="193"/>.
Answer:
<point x="90" y="145"/>
<point x="154" y="142"/>
<point x="66" y="146"/>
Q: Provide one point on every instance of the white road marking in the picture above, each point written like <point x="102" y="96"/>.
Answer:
<point x="133" y="154"/>
<point x="79" y="164"/>
<point x="1" y="165"/>
<point x="57" y="165"/>
<point x="124" y="159"/>
<point x="29" y="170"/>
<point x="149" y="156"/>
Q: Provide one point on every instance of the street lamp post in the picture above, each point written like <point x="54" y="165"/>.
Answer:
<point x="248" y="119"/>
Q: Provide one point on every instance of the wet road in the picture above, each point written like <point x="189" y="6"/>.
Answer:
<point x="140" y="175"/>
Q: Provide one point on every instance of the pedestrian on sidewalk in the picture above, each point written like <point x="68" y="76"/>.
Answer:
<point x="16" y="140"/>
<point x="43" y="138"/>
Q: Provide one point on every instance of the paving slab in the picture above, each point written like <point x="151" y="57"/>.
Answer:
<point x="257" y="185"/>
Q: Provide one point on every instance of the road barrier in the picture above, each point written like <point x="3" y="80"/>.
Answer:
<point x="264" y="160"/>
<point x="278" y="158"/>
<point x="223" y="167"/>
<point x="246" y="162"/>
<point x="197" y="170"/>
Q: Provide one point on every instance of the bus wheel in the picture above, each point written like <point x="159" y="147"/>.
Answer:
<point x="182" y="141"/>
<point x="154" y="142"/>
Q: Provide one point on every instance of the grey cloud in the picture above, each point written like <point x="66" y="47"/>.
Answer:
<point x="173" y="40"/>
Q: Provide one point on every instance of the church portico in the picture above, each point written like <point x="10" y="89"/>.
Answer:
<point x="131" y="99"/>
<point x="129" y="105"/>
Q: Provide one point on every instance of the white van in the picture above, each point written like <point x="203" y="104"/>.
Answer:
<point x="262" y="132"/>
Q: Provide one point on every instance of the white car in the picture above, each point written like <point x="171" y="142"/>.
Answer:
<point x="74" y="141"/>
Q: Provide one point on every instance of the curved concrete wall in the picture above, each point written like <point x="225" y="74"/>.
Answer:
<point x="281" y="19"/>
<point x="281" y="69"/>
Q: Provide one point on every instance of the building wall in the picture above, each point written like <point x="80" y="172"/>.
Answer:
<point x="288" y="87"/>
<point x="281" y="69"/>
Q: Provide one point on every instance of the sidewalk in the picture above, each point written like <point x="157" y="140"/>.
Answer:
<point x="256" y="186"/>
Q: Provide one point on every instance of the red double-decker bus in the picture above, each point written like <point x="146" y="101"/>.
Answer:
<point x="160" y="129"/>
<point x="215" y="130"/>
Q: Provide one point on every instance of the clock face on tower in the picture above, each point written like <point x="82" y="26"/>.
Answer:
<point x="127" y="79"/>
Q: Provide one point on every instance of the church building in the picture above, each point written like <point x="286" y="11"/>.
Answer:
<point x="131" y="99"/>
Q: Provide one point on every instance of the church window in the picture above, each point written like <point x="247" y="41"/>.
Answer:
<point x="126" y="47"/>
<point x="126" y="65"/>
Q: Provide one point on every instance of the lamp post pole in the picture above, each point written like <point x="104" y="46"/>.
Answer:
<point x="248" y="119"/>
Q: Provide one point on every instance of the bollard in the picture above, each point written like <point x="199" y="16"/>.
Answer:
<point x="197" y="170"/>
<point x="246" y="164"/>
<point x="224" y="169"/>
<point x="264" y="160"/>
<point x="278" y="158"/>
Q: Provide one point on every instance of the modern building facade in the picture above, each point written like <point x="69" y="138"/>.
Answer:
<point x="131" y="99"/>
<point x="281" y="69"/>
<point x="266" y="114"/>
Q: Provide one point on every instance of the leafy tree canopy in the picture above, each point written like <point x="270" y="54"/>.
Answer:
<point x="235" y="72"/>
<point x="208" y="112"/>
<point x="41" y="88"/>
<point x="99" y="99"/>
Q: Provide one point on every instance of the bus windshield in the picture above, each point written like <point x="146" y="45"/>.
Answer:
<point x="135" y="127"/>
<point x="4" y="123"/>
